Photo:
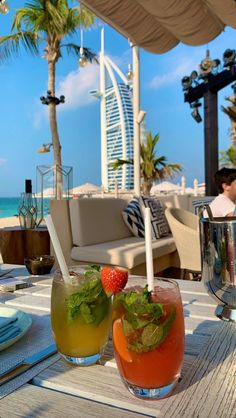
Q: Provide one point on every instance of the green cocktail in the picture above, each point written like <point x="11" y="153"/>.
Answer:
<point x="80" y="315"/>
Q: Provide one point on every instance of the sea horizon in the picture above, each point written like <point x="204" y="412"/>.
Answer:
<point x="9" y="206"/>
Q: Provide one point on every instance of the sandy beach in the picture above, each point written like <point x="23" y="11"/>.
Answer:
<point x="7" y="222"/>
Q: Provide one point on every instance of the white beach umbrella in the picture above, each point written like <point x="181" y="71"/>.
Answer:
<point x="189" y="190"/>
<point x="48" y="193"/>
<point x="86" y="188"/>
<point x="165" y="186"/>
<point x="201" y="188"/>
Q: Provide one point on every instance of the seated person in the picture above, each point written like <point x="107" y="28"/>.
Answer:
<point x="224" y="203"/>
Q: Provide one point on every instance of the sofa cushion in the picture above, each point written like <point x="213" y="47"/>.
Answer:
<point x="133" y="218"/>
<point x="95" y="220"/>
<point x="174" y="201"/>
<point x="160" y="227"/>
<point x="127" y="252"/>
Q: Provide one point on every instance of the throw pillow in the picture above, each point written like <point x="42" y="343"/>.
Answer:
<point x="133" y="218"/>
<point x="199" y="203"/>
<point x="160" y="227"/>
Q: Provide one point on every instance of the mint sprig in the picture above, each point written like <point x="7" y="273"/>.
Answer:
<point x="143" y="323"/>
<point x="90" y="302"/>
<point x="153" y="335"/>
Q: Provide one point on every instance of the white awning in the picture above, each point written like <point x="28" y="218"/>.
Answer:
<point x="159" y="25"/>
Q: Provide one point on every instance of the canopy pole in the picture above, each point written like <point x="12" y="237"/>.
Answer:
<point x="136" y="109"/>
<point x="104" y="167"/>
<point x="211" y="140"/>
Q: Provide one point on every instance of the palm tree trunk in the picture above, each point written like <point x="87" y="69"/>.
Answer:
<point x="147" y="185"/>
<point x="54" y="132"/>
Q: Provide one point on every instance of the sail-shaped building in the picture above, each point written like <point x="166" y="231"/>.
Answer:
<point x="117" y="130"/>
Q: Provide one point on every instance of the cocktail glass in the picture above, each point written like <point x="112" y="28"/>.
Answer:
<point x="80" y="315"/>
<point x="148" y="338"/>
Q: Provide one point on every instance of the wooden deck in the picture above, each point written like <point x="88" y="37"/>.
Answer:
<point x="207" y="388"/>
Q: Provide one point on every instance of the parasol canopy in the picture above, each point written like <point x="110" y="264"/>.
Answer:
<point x="165" y="186"/>
<point x="86" y="188"/>
<point x="158" y="25"/>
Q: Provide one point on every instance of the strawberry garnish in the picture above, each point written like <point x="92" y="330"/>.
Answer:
<point x="113" y="279"/>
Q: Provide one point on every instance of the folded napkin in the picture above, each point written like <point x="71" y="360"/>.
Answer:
<point x="8" y="328"/>
<point x="4" y="320"/>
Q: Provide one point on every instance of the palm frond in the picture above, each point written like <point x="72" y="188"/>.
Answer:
<point x="87" y="18"/>
<point x="119" y="163"/>
<point x="52" y="17"/>
<point x="10" y="45"/>
<point x="79" y="17"/>
<point x="168" y="171"/>
<point x="40" y="16"/>
<point x="160" y="161"/>
<point x="151" y="167"/>
<point x="230" y="111"/>
<point x="75" y="50"/>
<point x="228" y="157"/>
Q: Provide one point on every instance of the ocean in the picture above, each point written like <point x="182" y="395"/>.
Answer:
<point x="9" y="206"/>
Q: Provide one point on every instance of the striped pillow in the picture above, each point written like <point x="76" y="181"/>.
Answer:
<point x="160" y="227"/>
<point x="199" y="203"/>
<point x="133" y="218"/>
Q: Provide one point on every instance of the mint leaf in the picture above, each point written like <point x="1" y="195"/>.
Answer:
<point x="90" y="302"/>
<point x="137" y="346"/>
<point x="127" y="328"/>
<point x="95" y="267"/>
<point x="137" y="321"/>
<point x="139" y="309"/>
<point x="152" y="335"/>
<point x="92" y="271"/>
<point x="168" y="324"/>
<point x="86" y="313"/>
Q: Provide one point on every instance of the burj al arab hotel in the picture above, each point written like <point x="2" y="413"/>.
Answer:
<point x="117" y="131"/>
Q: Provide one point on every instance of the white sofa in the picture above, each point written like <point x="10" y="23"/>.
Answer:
<point x="92" y="230"/>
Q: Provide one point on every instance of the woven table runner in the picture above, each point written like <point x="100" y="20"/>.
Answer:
<point x="38" y="337"/>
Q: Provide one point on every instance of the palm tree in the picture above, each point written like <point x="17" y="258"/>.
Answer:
<point x="228" y="157"/>
<point x="151" y="167"/>
<point x="47" y="23"/>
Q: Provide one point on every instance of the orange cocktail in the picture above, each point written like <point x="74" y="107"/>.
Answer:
<point x="148" y="338"/>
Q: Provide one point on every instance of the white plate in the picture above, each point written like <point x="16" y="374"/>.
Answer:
<point x="24" y="322"/>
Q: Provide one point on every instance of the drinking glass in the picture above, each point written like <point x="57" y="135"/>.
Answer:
<point x="148" y="338"/>
<point x="80" y="315"/>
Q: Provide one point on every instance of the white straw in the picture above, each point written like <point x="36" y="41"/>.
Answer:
<point x="148" y="245"/>
<point x="57" y="248"/>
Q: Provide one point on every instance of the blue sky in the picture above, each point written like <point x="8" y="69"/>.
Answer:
<point x="24" y="120"/>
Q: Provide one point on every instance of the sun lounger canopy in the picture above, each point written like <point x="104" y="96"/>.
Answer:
<point x="159" y="25"/>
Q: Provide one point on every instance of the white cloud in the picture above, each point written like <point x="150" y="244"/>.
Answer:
<point x="76" y="85"/>
<point x="37" y="118"/>
<point x="123" y="60"/>
<point x="185" y="66"/>
<point x="2" y="161"/>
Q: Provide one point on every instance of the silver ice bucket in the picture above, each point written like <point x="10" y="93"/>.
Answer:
<point x="218" y="250"/>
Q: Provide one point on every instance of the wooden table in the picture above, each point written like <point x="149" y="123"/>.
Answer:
<point x="207" y="388"/>
<point x="17" y="243"/>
